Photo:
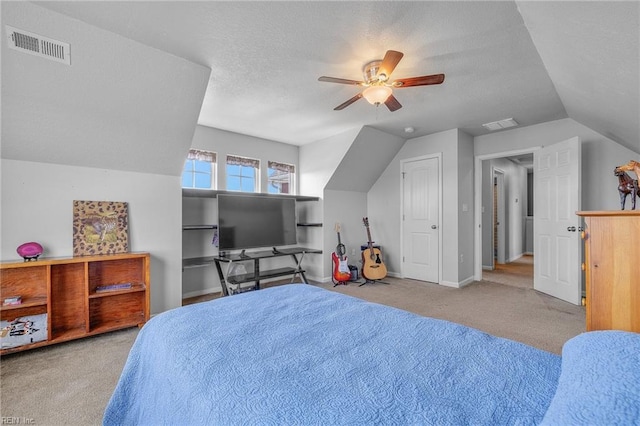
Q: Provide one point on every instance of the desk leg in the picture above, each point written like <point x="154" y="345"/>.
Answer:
<point x="299" y="268"/>
<point x="223" y="282"/>
<point x="256" y="271"/>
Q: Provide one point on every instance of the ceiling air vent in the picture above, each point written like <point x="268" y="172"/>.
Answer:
<point x="37" y="45"/>
<point x="499" y="125"/>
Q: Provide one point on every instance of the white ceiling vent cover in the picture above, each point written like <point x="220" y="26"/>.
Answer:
<point x="37" y="45"/>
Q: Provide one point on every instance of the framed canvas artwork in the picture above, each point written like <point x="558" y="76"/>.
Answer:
<point x="100" y="227"/>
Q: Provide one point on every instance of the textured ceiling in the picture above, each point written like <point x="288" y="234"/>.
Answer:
<point x="532" y="61"/>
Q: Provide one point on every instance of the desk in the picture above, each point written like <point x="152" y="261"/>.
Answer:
<point x="257" y="275"/>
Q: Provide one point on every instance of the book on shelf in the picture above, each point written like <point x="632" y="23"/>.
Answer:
<point x="23" y="330"/>
<point x="113" y="287"/>
<point x="12" y="300"/>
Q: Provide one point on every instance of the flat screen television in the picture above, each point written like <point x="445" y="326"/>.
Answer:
<point x="246" y="221"/>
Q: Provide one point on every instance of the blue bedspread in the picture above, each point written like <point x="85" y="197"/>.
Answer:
<point x="302" y="355"/>
<point x="600" y="381"/>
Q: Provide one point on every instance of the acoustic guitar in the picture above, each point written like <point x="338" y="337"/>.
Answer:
<point x="341" y="272"/>
<point x="372" y="266"/>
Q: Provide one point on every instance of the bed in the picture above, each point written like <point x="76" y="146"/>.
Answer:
<point x="301" y="355"/>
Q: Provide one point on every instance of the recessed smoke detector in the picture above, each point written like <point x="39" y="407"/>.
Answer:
<point x="501" y="124"/>
<point x="37" y="45"/>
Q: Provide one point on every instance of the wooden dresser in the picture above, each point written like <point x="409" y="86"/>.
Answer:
<point x="612" y="269"/>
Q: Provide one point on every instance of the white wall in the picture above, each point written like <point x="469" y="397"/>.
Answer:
<point x="348" y="208"/>
<point x="115" y="125"/>
<point x="465" y="208"/>
<point x="384" y="208"/>
<point x="368" y="154"/>
<point x="318" y="162"/>
<point x="37" y="205"/>
<point x="345" y="195"/>
<point x="600" y="156"/>
<point x="228" y="143"/>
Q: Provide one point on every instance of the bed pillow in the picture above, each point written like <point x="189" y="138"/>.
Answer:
<point x="599" y="382"/>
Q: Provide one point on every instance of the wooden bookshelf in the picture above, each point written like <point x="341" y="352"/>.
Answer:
<point x="65" y="290"/>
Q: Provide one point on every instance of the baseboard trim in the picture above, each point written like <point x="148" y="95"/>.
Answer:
<point x="467" y="281"/>
<point x="514" y="258"/>
<point x="201" y="292"/>
<point x="460" y="284"/>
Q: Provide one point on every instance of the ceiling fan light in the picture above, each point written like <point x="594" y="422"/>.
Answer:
<point x="377" y="95"/>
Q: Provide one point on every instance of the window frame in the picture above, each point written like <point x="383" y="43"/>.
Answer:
<point x="198" y="155"/>
<point x="243" y="162"/>
<point x="289" y="169"/>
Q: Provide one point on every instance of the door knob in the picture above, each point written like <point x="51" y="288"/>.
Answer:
<point x="571" y="229"/>
<point x="434" y="227"/>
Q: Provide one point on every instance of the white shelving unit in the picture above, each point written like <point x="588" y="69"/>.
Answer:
<point x="200" y="216"/>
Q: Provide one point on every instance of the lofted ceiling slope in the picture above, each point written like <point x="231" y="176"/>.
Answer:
<point x="531" y="61"/>
<point x="366" y="158"/>
<point x="591" y="51"/>
<point x="120" y="105"/>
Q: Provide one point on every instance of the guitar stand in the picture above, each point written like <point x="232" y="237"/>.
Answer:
<point x="372" y="282"/>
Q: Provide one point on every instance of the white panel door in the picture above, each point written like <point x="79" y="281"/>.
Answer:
<point x="557" y="240"/>
<point x="420" y="226"/>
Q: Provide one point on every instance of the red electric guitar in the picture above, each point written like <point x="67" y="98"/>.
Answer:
<point x="372" y="266"/>
<point x="341" y="272"/>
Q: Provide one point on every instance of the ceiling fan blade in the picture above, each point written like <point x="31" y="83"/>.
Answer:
<point x="425" y="80"/>
<point x="392" y="103"/>
<point x="347" y="103"/>
<point x="340" y="80"/>
<point x="391" y="59"/>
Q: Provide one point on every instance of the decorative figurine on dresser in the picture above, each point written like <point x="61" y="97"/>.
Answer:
<point x="627" y="185"/>
<point x="612" y="270"/>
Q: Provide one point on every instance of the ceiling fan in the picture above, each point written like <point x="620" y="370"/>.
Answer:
<point x="378" y="89"/>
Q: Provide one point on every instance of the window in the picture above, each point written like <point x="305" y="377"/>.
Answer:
<point x="242" y="174"/>
<point x="281" y="178"/>
<point x="199" y="170"/>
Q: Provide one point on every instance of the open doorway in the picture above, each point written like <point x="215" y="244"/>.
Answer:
<point x="518" y="273"/>
<point x="506" y="219"/>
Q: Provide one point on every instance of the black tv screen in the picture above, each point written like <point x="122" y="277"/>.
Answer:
<point x="246" y="221"/>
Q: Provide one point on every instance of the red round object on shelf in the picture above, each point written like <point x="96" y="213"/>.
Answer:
<point x="30" y="250"/>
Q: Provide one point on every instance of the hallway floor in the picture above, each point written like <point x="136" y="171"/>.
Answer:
<point x="518" y="273"/>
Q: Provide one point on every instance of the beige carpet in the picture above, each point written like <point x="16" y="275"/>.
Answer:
<point x="71" y="383"/>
